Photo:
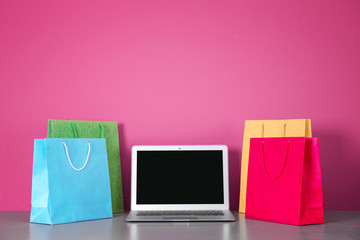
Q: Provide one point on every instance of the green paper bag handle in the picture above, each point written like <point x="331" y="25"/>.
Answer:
<point x="74" y="130"/>
<point x="102" y="130"/>
<point x="75" y="133"/>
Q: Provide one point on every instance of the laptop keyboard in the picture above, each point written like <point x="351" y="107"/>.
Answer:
<point x="181" y="213"/>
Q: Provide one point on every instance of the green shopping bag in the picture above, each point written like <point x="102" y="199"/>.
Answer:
<point x="96" y="129"/>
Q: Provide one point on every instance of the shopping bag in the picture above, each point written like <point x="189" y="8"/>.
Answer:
<point x="284" y="181"/>
<point x="70" y="181"/>
<point x="96" y="129"/>
<point x="267" y="128"/>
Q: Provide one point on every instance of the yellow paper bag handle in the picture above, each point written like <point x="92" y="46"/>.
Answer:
<point x="282" y="133"/>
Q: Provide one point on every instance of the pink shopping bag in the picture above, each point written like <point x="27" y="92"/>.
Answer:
<point x="284" y="181"/>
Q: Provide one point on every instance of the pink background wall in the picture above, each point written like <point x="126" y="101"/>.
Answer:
<point x="181" y="72"/>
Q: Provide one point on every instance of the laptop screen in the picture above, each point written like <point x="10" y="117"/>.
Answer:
<point x="180" y="177"/>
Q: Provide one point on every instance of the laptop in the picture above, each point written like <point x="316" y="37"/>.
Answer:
<point x="179" y="183"/>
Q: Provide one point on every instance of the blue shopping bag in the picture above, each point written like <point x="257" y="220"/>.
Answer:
<point x="70" y="181"/>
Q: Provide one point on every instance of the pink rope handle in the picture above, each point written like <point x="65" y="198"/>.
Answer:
<point x="263" y="158"/>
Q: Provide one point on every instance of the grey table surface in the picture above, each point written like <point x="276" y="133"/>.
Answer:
<point x="340" y="225"/>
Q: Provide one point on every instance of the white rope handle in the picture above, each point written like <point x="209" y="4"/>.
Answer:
<point x="67" y="154"/>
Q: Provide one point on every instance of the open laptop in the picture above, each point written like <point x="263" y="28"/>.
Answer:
<point x="180" y="183"/>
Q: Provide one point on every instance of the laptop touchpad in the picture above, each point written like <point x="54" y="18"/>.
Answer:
<point x="179" y="217"/>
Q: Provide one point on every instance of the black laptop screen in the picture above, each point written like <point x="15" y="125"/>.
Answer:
<point x="180" y="177"/>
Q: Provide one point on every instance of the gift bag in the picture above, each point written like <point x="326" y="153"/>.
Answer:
<point x="267" y="128"/>
<point x="96" y="129"/>
<point x="284" y="181"/>
<point x="70" y="181"/>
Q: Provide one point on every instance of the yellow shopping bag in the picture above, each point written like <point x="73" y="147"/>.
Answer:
<point x="267" y="128"/>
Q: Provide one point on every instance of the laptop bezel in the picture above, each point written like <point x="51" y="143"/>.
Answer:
<point x="144" y="207"/>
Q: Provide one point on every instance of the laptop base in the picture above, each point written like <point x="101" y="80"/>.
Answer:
<point x="133" y="217"/>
